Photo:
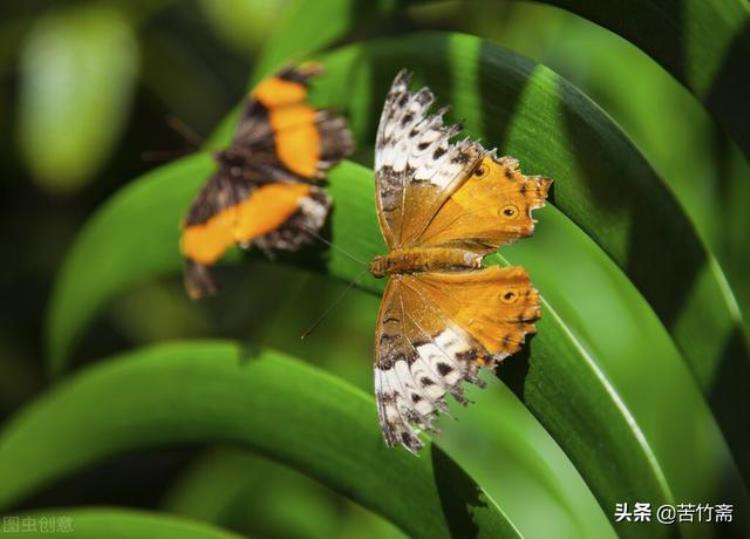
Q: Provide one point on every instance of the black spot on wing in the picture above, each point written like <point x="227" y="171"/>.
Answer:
<point x="444" y="369"/>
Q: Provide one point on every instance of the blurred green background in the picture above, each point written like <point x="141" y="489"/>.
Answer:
<point x="89" y="92"/>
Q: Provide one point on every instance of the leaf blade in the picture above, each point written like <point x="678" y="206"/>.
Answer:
<point x="603" y="184"/>
<point x="202" y="392"/>
<point x="702" y="44"/>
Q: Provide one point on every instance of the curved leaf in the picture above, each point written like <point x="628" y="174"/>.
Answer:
<point x="602" y="183"/>
<point x="599" y="364"/>
<point x="307" y="27"/>
<point x="141" y="226"/>
<point x="95" y="523"/>
<point x="252" y="495"/>
<point x="514" y="459"/>
<point x="663" y="118"/>
<point x="200" y="392"/>
<point x="531" y="467"/>
<point x="535" y="116"/>
<point x="703" y="44"/>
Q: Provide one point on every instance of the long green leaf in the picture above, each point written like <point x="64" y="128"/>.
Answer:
<point x="498" y="441"/>
<point x="514" y="458"/>
<point x="242" y="491"/>
<point x="308" y="26"/>
<point x="531" y="114"/>
<point x="95" y="523"/>
<point x="602" y="183"/>
<point x="600" y="364"/>
<point x="223" y="392"/>
<point x="663" y="118"/>
<point x="705" y="45"/>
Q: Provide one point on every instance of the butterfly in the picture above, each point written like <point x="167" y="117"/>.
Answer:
<point x="442" y="206"/>
<point x="266" y="191"/>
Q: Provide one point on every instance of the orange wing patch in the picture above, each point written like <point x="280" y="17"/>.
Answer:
<point x="496" y="306"/>
<point x="297" y="138"/>
<point x="277" y="92"/>
<point x="296" y="135"/>
<point x="266" y="209"/>
<point x="492" y="208"/>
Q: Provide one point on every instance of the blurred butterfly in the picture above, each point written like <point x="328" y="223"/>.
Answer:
<point x="265" y="191"/>
<point x="442" y="206"/>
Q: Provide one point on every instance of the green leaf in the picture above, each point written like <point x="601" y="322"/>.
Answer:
<point x="308" y="27"/>
<point x="511" y="458"/>
<point x="533" y="115"/>
<point x="78" y="70"/>
<point x="242" y="491"/>
<point x="243" y="24"/>
<point x="200" y="392"/>
<point x="703" y="44"/>
<point x="139" y="227"/>
<point x="660" y="114"/>
<point x="604" y="377"/>
<point x="95" y="523"/>
<point x="602" y="183"/>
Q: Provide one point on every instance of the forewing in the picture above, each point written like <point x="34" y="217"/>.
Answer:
<point x="492" y="208"/>
<point x="279" y="128"/>
<point x="416" y="166"/>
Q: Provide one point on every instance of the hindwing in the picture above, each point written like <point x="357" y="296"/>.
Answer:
<point x="434" y="332"/>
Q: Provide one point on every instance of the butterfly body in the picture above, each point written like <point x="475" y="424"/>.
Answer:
<point x="442" y="206"/>
<point x="424" y="259"/>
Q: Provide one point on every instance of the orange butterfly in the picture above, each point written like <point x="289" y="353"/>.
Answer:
<point x="264" y="192"/>
<point x="442" y="206"/>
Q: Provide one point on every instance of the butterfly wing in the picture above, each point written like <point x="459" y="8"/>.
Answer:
<point x="435" y="330"/>
<point x="416" y="166"/>
<point x="491" y="208"/>
<point x="230" y="210"/>
<point x="278" y="128"/>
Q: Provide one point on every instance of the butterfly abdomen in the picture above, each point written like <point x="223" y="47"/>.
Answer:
<point x="421" y="259"/>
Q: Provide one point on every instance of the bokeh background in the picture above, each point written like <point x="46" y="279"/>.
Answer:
<point x="90" y="96"/>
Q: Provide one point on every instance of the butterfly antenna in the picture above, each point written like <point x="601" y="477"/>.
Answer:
<point x="184" y="130"/>
<point x="193" y="140"/>
<point x="333" y="245"/>
<point x="333" y="305"/>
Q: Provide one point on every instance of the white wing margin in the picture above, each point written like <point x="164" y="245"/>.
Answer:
<point x="413" y="152"/>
